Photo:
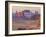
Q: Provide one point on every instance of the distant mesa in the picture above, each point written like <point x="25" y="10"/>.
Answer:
<point x="26" y="14"/>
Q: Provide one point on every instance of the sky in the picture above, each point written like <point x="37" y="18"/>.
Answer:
<point x="21" y="8"/>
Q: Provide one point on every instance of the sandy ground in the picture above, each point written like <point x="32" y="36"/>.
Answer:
<point x="26" y="25"/>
